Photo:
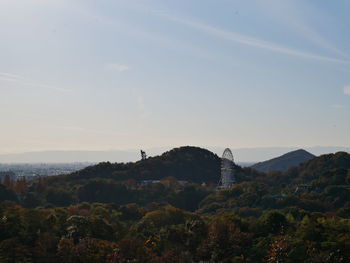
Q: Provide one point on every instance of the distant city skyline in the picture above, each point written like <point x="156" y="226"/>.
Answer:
<point x="119" y="75"/>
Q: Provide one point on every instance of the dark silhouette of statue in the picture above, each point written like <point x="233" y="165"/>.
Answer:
<point x="143" y="155"/>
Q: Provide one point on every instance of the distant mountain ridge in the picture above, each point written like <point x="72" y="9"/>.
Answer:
<point x="284" y="162"/>
<point x="241" y="155"/>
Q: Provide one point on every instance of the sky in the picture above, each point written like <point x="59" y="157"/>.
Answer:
<point x="130" y="74"/>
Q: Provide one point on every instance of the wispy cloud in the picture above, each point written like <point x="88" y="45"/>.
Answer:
<point x="347" y="90"/>
<point x="10" y="77"/>
<point x="117" y="67"/>
<point x="288" y="13"/>
<point x="79" y="129"/>
<point x="338" y="106"/>
<point x="314" y="36"/>
<point x="248" y="40"/>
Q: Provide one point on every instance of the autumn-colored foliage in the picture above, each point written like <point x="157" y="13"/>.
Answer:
<point x="302" y="215"/>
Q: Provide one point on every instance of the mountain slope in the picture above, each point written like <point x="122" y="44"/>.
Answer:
<point x="284" y="162"/>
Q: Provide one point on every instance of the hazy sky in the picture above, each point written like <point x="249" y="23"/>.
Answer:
<point x="110" y="74"/>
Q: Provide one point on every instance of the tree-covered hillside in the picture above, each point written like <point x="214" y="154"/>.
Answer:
<point x="185" y="163"/>
<point x="109" y="213"/>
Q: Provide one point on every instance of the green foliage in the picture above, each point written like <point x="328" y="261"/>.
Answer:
<point x="273" y="222"/>
<point x="59" y="197"/>
<point x="188" y="198"/>
<point x="7" y="194"/>
<point x="104" y="192"/>
<point x="301" y="215"/>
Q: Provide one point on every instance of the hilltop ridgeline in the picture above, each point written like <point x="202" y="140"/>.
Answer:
<point x="185" y="163"/>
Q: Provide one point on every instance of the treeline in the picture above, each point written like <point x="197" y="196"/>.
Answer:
<point x="41" y="193"/>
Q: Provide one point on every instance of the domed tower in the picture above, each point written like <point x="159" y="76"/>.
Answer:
<point x="227" y="178"/>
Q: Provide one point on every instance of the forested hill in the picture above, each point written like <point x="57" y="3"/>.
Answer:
<point x="319" y="185"/>
<point x="323" y="163"/>
<point x="284" y="162"/>
<point x="329" y="168"/>
<point x="185" y="163"/>
<point x="325" y="170"/>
